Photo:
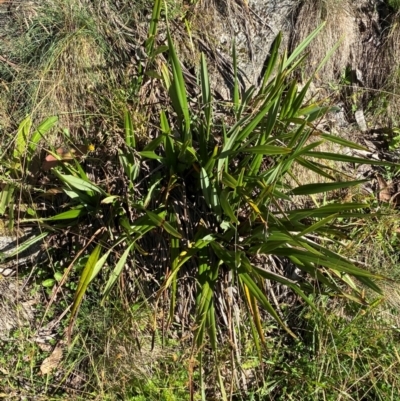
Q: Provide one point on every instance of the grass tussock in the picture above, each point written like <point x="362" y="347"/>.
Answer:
<point x="340" y="26"/>
<point x="388" y="101"/>
<point x="124" y="355"/>
<point x="71" y="59"/>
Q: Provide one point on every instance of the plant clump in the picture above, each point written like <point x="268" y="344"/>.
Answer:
<point x="192" y="214"/>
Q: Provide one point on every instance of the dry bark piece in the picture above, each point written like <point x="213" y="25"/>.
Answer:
<point x="360" y="118"/>
<point x="52" y="362"/>
<point x="65" y="155"/>
<point x="385" y="189"/>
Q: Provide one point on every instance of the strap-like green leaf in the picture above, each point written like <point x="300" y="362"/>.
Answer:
<point x="303" y="45"/>
<point x="44" y="127"/>
<point x="69" y="214"/>
<point x="159" y="221"/>
<point x="266" y="150"/>
<point x="343" y="142"/>
<point x="129" y="131"/>
<point x="332" y="263"/>
<point x="84" y="282"/>
<point x="22" y="137"/>
<point x="347" y="159"/>
<point x="116" y="272"/>
<point x="79" y="183"/>
<point x="259" y="295"/>
<point x="150" y="155"/>
<point x="25" y="245"/>
<point x="310" y="189"/>
<point x="228" y="210"/>
<point x="177" y="91"/>
<point x="155" y="18"/>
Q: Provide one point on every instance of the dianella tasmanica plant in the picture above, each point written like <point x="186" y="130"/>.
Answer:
<point x="226" y="204"/>
<point x="219" y="202"/>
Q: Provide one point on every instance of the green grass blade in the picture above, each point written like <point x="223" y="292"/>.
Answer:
<point x="317" y="225"/>
<point x="68" y="215"/>
<point x="186" y="255"/>
<point x="247" y="97"/>
<point x="315" y="112"/>
<point x="164" y="124"/>
<point x="201" y="312"/>
<point x="148" y="154"/>
<point x="255" y="313"/>
<point x="238" y="136"/>
<point x="205" y="185"/>
<point x="171" y="156"/>
<point x="266" y="150"/>
<point x="268" y="275"/>
<point x="236" y="99"/>
<point x="300" y="149"/>
<point x="85" y="277"/>
<point x="174" y="254"/>
<point x="287" y="108"/>
<point x="333" y="263"/>
<point x="298" y="101"/>
<point x="206" y="97"/>
<point x="342" y="208"/>
<point x="343" y="142"/>
<point x="370" y="284"/>
<point x="328" y="55"/>
<point x="6" y="196"/>
<point x="99" y="265"/>
<point x="315" y="167"/>
<point x="21" y="139"/>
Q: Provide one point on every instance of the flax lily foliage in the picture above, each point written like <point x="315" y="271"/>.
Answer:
<point x="245" y="210"/>
<point x="222" y="199"/>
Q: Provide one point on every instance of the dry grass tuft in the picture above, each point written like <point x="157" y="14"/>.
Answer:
<point x="69" y="82"/>
<point x="120" y="354"/>
<point x="340" y="25"/>
<point x="72" y="59"/>
<point x="391" y="72"/>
